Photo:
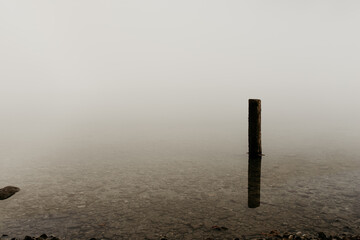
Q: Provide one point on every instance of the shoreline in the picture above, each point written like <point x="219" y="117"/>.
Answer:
<point x="272" y="235"/>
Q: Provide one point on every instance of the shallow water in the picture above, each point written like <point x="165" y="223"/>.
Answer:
<point x="115" y="194"/>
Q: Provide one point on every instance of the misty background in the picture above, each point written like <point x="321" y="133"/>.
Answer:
<point x="157" y="75"/>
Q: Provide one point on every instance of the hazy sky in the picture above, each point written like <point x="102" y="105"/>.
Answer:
<point x="85" y="68"/>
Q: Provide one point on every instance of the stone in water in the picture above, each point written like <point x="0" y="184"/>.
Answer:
<point x="8" y="191"/>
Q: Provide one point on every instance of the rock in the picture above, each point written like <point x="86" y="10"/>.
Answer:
<point x="8" y="191"/>
<point x="217" y="228"/>
<point x="4" y="237"/>
<point x="321" y="235"/>
<point x="44" y="236"/>
<point x="28" y="238"/>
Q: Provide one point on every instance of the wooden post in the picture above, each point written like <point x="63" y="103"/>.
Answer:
<point x="255" y="127"/>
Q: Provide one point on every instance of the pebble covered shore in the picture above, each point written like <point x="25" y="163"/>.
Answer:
<point x="273" y="235"/>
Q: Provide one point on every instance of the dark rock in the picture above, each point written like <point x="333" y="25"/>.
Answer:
<point x="217" y="228"/>
<point x="44" y="236"/>
<point x="8" y="191"/>
<point x="28" y="238"/>
<point x="321" y="235"/>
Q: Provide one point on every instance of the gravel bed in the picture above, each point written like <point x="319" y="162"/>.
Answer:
<point x="272" y="235"/>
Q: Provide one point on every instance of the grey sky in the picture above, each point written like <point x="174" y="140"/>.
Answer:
<point x="179" y="65"/>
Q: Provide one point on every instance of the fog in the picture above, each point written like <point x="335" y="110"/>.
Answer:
<point x="177" y="75"/>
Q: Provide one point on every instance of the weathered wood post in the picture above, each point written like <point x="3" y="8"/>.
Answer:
<point x="255" y="127"/>
<point x="255" y="153"/>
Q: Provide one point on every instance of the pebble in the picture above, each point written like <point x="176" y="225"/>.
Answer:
<point x="321" y="235"/>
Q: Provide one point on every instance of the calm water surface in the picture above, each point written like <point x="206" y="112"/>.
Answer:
<point x="109" y="193"/>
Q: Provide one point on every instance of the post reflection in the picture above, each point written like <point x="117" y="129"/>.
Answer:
<point x="254" y="175"/>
